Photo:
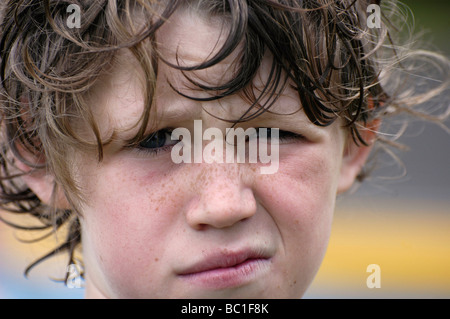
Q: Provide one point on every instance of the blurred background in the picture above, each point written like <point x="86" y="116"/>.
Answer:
<point x="400" y="224"/>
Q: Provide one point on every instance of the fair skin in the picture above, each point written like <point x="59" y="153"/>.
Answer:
<point x="155" y="229"/>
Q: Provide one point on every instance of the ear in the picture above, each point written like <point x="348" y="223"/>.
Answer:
<point x="42" y="183"/>
<point x="355" y="156"/>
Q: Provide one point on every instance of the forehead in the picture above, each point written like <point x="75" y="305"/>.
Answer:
<point x="189" y="39"/>
<point x="186" y="39"/>
<point x="193" y="37"/>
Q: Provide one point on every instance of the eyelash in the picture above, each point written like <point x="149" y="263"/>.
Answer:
<point x="287" y="136"/>
<point x="155" y="151"/>
<point x="284" y="136"/>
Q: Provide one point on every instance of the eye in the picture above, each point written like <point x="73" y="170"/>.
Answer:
<point x="283" y="136"/>
<point x="158" y="140"/>
<point x="287" y="136"/>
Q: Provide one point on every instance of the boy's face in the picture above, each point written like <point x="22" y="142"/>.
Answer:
<point x="152" y="228"/>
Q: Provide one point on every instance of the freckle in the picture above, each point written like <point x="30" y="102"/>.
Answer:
<point x="156" y="259"/>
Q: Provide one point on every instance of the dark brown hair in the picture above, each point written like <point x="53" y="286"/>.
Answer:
<point x="324" y="49"/>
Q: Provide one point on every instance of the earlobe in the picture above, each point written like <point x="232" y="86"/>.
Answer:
<point x="355" y="156"/>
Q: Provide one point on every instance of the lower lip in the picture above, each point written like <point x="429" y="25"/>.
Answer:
<point x="228" y="277"/>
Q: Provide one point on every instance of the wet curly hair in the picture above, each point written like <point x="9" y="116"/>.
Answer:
<point x="339" y="66"/>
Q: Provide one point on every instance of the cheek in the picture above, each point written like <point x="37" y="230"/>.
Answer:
<point x="301" y="198"/>
<point x="126" y="222"/>
<point x="305" y="185"/>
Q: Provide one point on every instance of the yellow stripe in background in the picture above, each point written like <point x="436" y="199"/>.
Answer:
<point x="409" y="240"/>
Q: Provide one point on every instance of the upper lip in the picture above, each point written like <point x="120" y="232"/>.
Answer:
<point x="224" y="259"/>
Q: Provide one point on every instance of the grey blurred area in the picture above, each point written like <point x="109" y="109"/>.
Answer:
<point x="425" y="173"/>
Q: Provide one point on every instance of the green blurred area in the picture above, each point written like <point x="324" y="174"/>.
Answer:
<point x="433" y="18"/>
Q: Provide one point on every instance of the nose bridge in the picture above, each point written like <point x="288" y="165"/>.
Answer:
<point x="224" y="196"/>
<point x="220" y="180"/>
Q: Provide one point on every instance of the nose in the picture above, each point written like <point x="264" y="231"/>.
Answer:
<point x="223" y="197"/>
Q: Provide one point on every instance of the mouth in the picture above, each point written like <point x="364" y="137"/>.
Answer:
<point x="227" y="269"/>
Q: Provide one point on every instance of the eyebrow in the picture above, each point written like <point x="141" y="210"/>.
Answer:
<point x="185" y="110"/>
<point x="290" y="122"/>
<point x="181" y="112"/>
